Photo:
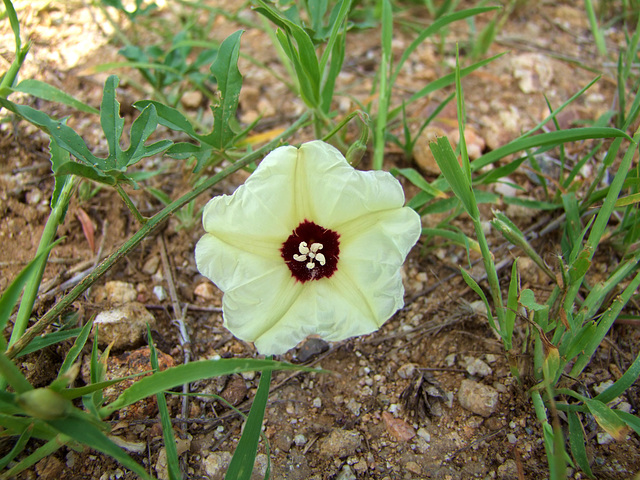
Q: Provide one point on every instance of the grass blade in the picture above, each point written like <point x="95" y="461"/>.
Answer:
<point x="241" y="466"/>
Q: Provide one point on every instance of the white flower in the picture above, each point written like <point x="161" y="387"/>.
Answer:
<point x="308" y="245"/>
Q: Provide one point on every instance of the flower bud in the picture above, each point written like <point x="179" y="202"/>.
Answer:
<point x="44" y="403"/>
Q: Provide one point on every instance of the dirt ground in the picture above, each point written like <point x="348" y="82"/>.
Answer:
<point x="356" y="422"/>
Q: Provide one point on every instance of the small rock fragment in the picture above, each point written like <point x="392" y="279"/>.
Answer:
<point x="398" y="428"/>
<point x="235" y="390"/>
<point x="346" y="474"/>
<point x="475" y="366"/>
<point x="191" y="99"/>
<point x="300" y="440"/>
<point x="340" y="443"/>
<point x="160" y="293"/>
<point x="151" y="265"/>
<point x="118" y="292"/>
<point x="508" y="470"/>
<point x="125" y="326"/>
<point x="407" y="370"/>
<point x="205" y="291"/>
<point x="422" y="153"/>
<point x="478" y="398"/>
<point x="311" y="348"/>
<point x="216" y="464"/>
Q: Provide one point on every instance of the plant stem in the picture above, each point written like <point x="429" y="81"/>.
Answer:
<point x="132" y="208"/>
<point x="48" y="234"/>
<point x="151" y="224"/>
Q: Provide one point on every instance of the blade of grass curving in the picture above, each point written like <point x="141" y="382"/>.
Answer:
<point x="454" y="174"/>
<point x="338" y="25"/>
<point x="576" y="442"/>
<point x="18" y="447"/>
<point x="595" y="29"/>
<point x="458" y="238"/>
<point x="241" y="466"/>
<point x="442" y="82"/>
<point x="173" y="462"/>
<point x="547" y="140"/>
<point x="434" y="28"/>
<point x="50" y="93"/>
<point x="607" y="419"/>
<point x="50" y="339"/>
<point x="629" y="419"/>
<point x="418" y="180"/>
<point x="469" y="280"/>
<point x="77" y="347"/>
<point x="44" y="451"/>
<point x="191" y="372"/>
<point x="13" y="376"/>
<point x="602" y="218"/>
<point x="83" y="431"/>
<point x="605" y="323"/>
<point x="622" y="384"/>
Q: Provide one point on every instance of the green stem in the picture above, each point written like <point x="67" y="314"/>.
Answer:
<point x="48" y="235"/>
<point x="151" y="224"/>
<point x="132" y="208"/>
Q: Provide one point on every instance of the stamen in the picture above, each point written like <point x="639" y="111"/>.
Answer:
<point x="315" y="247"/>
<point x="303" y="248"/>
<point x="311" y="265"/>
<point x="320" y="258"/>
<point x="299" y="258"/>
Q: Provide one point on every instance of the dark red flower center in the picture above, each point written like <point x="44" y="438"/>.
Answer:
<point x="311" y="252"/>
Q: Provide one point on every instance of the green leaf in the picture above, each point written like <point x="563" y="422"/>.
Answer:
<point x="169" y="117"/>
<point x="13" y="376"/>
<point x="141" y="129"/>
<point x="50" y="93"/>
<point x="607" y="419"/>
<point x="225" y="69"/>
<point x="84" y="171"/>
<point x="453" y="173"/>
<point x="64" y="135"/>
<point x="18" y="447"/>
<point x="576" y="440"/>
<point x="512" y="305"/>
<point x="241" y="466"/>
<point x="165" y="419"/>
<point x="181" y="374"/>
<point x="629" y="419"/>
<point x="39" y="343"/>
<point x="547" y="140"/>
<point x="473" y="285"/>
<point x="418" y="180"/>
<point x="76" y="349"/>
<point x="85" y="432"/>
<point x="622" y="384"/>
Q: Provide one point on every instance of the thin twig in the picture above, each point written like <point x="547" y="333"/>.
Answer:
<point x="179" y="314"/>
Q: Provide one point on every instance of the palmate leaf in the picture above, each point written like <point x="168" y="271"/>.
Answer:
<point x="109" y="170"/>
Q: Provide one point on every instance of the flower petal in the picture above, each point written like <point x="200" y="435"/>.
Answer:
<point x="259" y="215"/>
<point x="330" y="192"/>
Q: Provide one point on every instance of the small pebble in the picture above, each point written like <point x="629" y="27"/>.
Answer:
<point x="160" y="292"/>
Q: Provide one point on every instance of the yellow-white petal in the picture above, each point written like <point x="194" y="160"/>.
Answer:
<point x="331" y="192"/>
<point x="259" y="215"/>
